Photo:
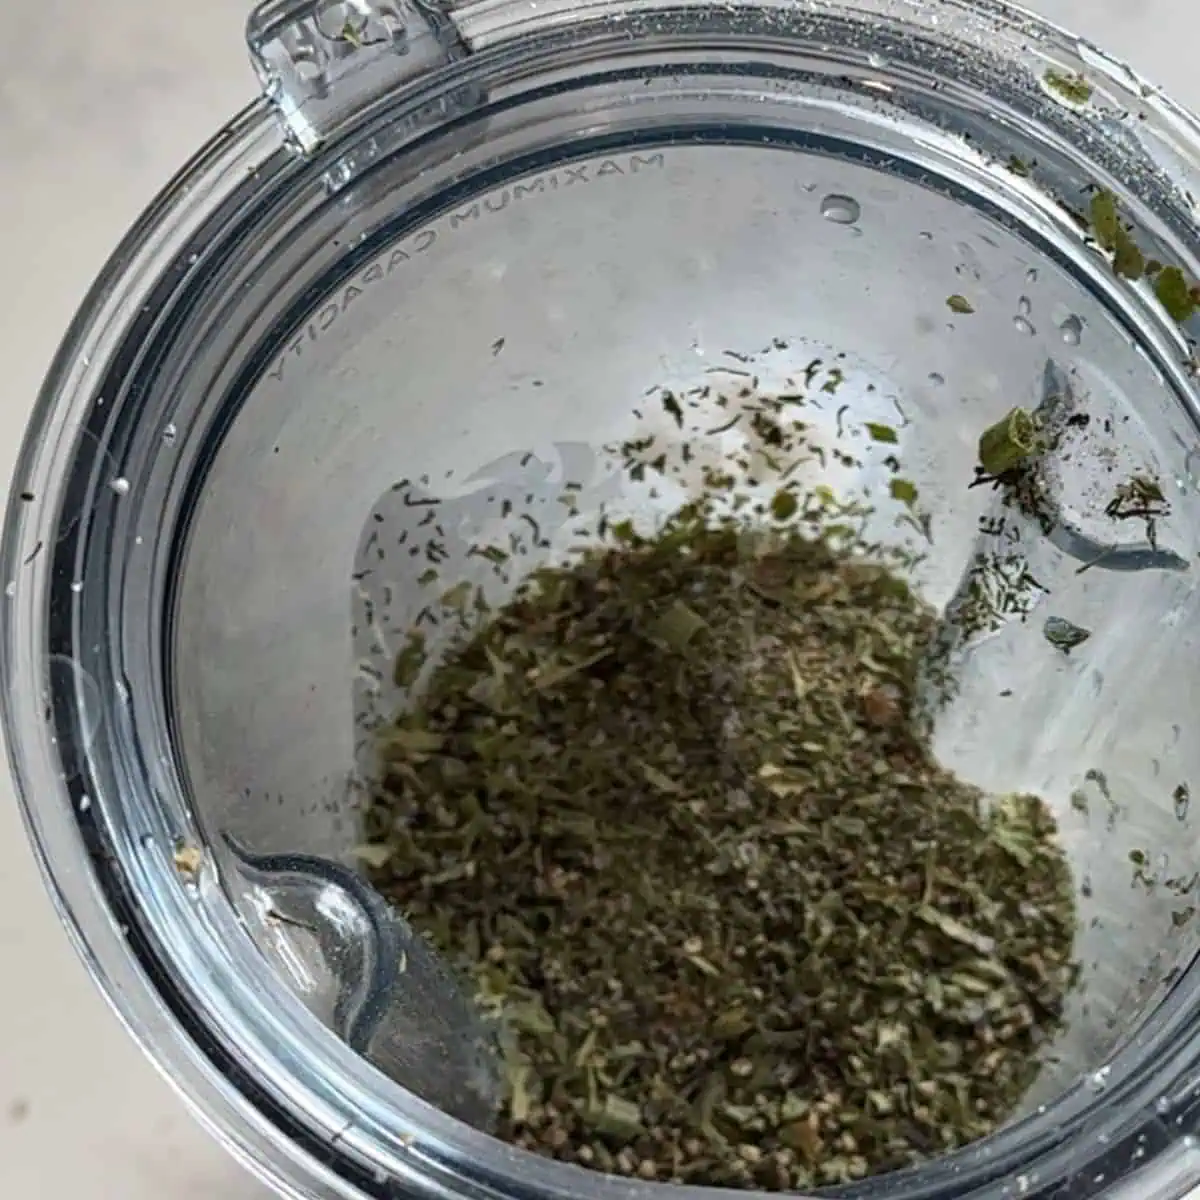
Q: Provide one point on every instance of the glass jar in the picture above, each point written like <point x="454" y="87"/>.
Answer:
<point x="432" y="267"/>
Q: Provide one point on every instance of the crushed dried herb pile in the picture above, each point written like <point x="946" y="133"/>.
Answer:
<point x="668" y="809"/>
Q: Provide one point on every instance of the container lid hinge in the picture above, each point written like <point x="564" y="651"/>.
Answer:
<point x="321" y="62"/>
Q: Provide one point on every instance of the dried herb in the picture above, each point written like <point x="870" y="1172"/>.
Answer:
<point x="1110" y="230"/>
<point x="881" y="433"/>
<point x="1026" y="489"/>
<point x="1106" y="221"/>
<point x="1174" y="294"/>
<point x="1128" y="260"/>
<point x="959" y="304"/>
<point x="672" y="808"/>
<point x="1008" y="443"/>
<point x="1139" y="498"/>
<point x="668" y="809"/>
<point x="1068" y="85"/>
<point x="1064" y="635"/>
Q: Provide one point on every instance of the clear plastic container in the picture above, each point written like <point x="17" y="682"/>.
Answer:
<point x="436" y="265"/>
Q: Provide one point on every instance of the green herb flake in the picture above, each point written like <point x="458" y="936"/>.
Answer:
<point x="1008" y="443"/>
<point x="1064" y="635"/>
<point x="959" y="304"/>
<point x="1109" y="229"/>
<point x="676" y="627"/>
<point x="1105" y="219"/>
<point x="882" y="433"/>
<point x="784" y="505"/>
<point x="1128" y="260"/>
<point x="458" y="597"/>
<point x="1174" y="293"/>
<point x="1068" y="85"/>
<point x="410" y="660"/>
<point x="376" y="856"/>
<point x="616" y="1117"/>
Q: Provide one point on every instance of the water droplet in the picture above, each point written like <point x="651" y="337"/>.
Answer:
<point x="1031" y="276"/>
<point x="1024" y="306"/>
<point x="146" y="841"/>
<point x="841" y="210"/>
<point x="936" y="378"/>
<point x="10" y="588"/>
<point x="1072" y="330"/>
<point x="85" y="802"/>
<point x="1021" y="325"/>
<point x="877" y="60"/>
<point x="1162" y="1106"/>
<point x="120" y="485"/>
<point x="170" y="433"/>
<point x="77" y="586"/>
<point x="925" y="235"/>
<point x="1098" y="1080"/>
<point x="970" y="263"/>
<point x="1191" y="467"/>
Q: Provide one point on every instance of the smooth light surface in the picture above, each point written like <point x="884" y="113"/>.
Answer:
<point x="101" y="104"/>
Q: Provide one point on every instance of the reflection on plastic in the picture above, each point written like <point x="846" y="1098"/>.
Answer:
<point x="1171" y="1176"/>
<point x="398" y="1004"/>
<point x="74" y="705"/>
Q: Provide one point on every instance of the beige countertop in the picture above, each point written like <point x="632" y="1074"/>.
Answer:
<point x="114" y="97"/>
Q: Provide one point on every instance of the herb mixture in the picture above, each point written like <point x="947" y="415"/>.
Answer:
<point x="669" y="811"/>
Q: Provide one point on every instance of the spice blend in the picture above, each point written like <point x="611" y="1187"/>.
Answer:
<point x="671" y="812"/>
